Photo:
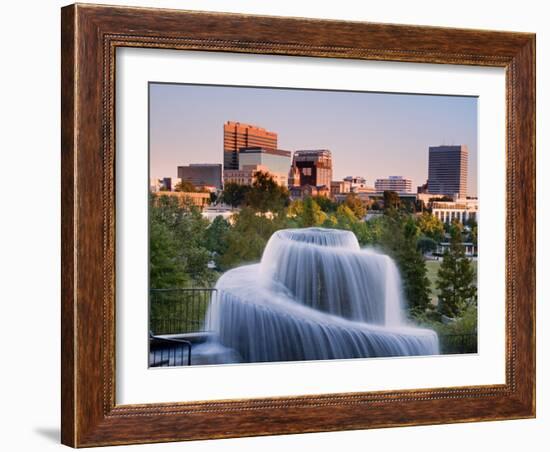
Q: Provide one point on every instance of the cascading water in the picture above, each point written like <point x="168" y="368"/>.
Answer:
<point x="315" y="295"/>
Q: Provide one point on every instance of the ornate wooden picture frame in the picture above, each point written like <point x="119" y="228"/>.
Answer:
<point x="90" y="37"/>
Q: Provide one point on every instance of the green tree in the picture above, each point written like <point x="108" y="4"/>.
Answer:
<point x="326" y="204"/>
<point x="295" y="208"/>
<point x="375" y="206"/>
<point x="426" y="244"/>
<point x="441" y="199"/>
<point x="472" y="230"/>
<point x="307" y="213"/>
<point x="166" y="269"/>
<point x="355" y="205"/>
<point x="473" y="235"/>
<point x="345" y="217"/>
<point x="265" y="195"/>
<point x="431" y="226"/>
<point x="216" y="237"/>
<point x="331" y="222"/>
<point x="311" y="214"/>
<point x="177" y="237"/>
<point x="370" y="232"/>
<point x="234" y="194"/>
<point x="391" y="200"/>
<point x="399" y="239"/>
<point x="456" y="278"/>
<point x="465" y="327"/>
<point x="185" y="186"/>
<point x="213" y="197"/>
<point x="248" y="236"/>
<point x="419" y="205"/>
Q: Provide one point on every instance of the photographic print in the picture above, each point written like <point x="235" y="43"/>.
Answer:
<point x="286" y="211"/>
<point x="294" y="225"/>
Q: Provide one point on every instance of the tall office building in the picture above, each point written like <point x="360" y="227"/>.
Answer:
<point x="275" y="162"/>
<point x="202" y="174"/>
<point x="393" y="183"/>
<point x="238" y="135"/>
<point x="314" y="167"/>
<point x="448" y="170"/>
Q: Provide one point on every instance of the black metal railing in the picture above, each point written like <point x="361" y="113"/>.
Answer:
<point x="452" y="344"/>
<point x="168" y="351"/>
<point x="178" y="311"/>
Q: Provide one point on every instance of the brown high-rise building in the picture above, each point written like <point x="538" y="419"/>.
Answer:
<point x="238" y="135"/>
<point x="313" y="167"/>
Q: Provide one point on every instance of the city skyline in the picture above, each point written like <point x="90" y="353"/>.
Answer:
<point x="374" y="135"/>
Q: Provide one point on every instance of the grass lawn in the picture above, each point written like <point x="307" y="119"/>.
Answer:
<point x="433" y="267"/>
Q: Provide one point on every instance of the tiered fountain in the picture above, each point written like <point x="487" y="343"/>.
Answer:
<point x="315" y="295"/>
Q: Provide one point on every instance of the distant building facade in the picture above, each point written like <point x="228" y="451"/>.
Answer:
<point x="403" y="197"/>
<point x="305" y="191"/>
<point x="398" y="184"/>
<point x="460" y="210"/>
<point x="154" y="184"/>
<point x="448" y="170"/>
<point x="470" y="249"/>
<point x="202" y="174"/>
<point x="197" y="199"/>
<point x="276" y="161"/>
<point x="422" y="188"/>
<point x="428" y="198"/>
<point x="238" y="135"/>
<point x="246" y="175"/>
<point x="363" y="196"/>
<point x="313" y="167"/>
<point x="358" y="184"/>
<point x="294" y="177"/>
<point x="338" y="187"/>
<point x="160" y="184"/>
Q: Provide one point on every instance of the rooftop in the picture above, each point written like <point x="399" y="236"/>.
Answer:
<point x="258" y="149"/>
